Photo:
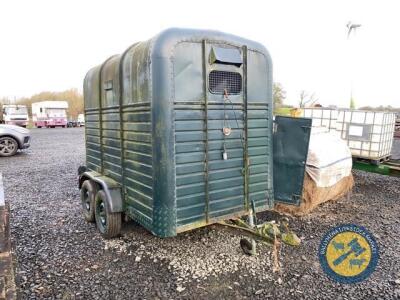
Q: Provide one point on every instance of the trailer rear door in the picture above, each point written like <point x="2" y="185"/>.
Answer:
<point x="291" y="139"/>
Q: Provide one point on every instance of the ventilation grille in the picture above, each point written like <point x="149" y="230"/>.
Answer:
<point x="218" y="81"/>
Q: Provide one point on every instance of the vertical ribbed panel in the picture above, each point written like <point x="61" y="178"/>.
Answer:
<point x="189" y="157"/>
<point x="225" y="178"/>
<point x="138" y="166"/>
<point x="111" y="143"/>
<point x="260" y="154"/>
<point x="92" y="130"/>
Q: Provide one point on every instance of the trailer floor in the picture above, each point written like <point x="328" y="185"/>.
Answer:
<point x="58" y="255"/>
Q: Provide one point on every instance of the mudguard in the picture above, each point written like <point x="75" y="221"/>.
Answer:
<point x="111" y="188"/>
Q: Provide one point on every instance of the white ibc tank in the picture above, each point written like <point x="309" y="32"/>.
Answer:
<point x="322" y="117"/>
<point x="368" y="134"/>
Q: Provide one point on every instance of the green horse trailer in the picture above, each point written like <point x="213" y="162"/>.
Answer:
<point x="180" y="134"/>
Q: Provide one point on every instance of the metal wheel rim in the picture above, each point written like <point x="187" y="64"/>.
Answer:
<point x="7" y="146"/>
<point x="86" y="201"/>
<point x="102" y="214"/>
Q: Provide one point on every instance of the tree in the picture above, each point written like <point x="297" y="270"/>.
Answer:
<point x="366" y="108"/>
<point x="5" y="100"/>
<point x="352" y="103"/>
<point x="307" y="99"/>
<point x="380" y="108"/>
<point x="279" y="94"/>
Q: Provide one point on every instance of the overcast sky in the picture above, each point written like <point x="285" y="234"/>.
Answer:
<point x="50" y="45"/>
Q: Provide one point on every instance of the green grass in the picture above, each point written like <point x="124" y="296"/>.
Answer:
<point x="283" y="111"/>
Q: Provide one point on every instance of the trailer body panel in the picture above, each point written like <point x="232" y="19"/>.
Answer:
<point x="183" y="122"/>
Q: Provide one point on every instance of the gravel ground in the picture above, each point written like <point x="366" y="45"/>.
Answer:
<point x="58" y="255"/>
<point x="396" y="149"/>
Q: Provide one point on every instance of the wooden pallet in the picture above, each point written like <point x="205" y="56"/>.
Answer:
<point x="373" y="161"/>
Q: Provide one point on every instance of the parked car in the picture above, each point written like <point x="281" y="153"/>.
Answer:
<point x="72" y="123"/>
<point x="81" y="120"/>
<point x="13" y="138"/>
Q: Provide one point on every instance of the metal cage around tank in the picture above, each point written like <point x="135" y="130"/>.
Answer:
<point x="175" y="126"/>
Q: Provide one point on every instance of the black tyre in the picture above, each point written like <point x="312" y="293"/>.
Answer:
<point x="8" y="146"/>
<point x="88" y="194"/>
<point x="109" y="224"/>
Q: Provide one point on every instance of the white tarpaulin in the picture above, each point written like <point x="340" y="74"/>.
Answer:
<point x="329" y="158"/>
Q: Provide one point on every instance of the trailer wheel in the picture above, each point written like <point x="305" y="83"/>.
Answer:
<point x="88" y="193"/>
<point x="108" y="223"/>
